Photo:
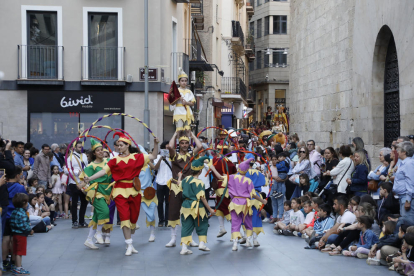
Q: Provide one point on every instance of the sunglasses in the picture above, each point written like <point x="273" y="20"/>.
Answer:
<point x="302" y="151"/>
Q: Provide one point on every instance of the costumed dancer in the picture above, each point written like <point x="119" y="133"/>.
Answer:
<point x="99" y="196"/>
<point x="241" y="190"/>
<point x="181" y="103"/>
<point x="281" y="117"/>
<point x="219" y="187"/>
<point x="193" y="212"/>
<point x="178" y="161"/>
<point x="149" y="201"/>
<point x="259" y="180"/>
<point x="125" y="169"/>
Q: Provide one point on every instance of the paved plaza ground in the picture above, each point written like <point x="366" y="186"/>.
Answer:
<point x="61" y="253"/>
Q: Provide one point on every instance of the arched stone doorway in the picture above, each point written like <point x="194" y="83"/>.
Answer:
<point x="385" y="88"/>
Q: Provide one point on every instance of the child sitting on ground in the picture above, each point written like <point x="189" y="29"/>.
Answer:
<point x="308" y="219"/>
<point x="389" y="238"/>
<point x="322" y="224"/>
<point x="353" y="204"/>
<point x="316" y="202"/>
<point x="407" y="254"/>
<point x="286" y="217"/>
<point x="366" y="240"/>
<point x="296" y="218"/>
<point x="49" y="200"/>
<point x="20" y="227"/>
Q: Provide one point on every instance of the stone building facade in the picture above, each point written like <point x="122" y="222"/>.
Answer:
<point x="350" y="73"/>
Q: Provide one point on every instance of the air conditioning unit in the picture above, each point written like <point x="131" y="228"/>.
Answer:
<point x="129" y="78"/>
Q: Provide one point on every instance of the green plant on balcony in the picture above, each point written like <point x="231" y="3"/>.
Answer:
<point x="249" y="39"/>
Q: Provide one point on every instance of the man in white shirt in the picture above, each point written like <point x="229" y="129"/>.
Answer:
<point x="314" y="157"/>
<point x="114" y="153"/>
<point x="76" y="169"/>
<point x="163" y="166"/>
<point x="345" y="216"/>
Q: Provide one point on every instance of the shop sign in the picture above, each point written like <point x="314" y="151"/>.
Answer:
<point x="76" y="101"/>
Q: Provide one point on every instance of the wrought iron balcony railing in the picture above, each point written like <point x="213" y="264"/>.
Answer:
<point x="103" y="63"/>
<point x="40" y="62"/>
<point x="233" y="85"/>
<point x="237" y="31"/>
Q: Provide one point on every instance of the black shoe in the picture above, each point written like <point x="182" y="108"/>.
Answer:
<point x="287" y="233"/>
<point x="310" y="247"/>
<point x="160" y="224"/>
<point x="83" y="225"/>
<point x="75" y="225"/>
<point x="54" y="224"/>
<point x="118" y="223"/>
<point x="166" y="223"/>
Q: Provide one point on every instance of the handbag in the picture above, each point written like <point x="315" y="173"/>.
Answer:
<point x="373" y="185"/>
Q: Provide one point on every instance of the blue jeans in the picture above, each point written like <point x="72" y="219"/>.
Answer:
<point x="42" y="183"/>
<point x="277" y="203"/>
<point x="331" y="239"/>
<point x="407" y="217"/>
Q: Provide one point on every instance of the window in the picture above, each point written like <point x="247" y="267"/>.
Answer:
<point x="103" y="45"/>
<point x="280" y="24"/>
<point x="259" y="2"/>
<point x="259" y="60"/>
<point x="251" y="66"/>
<point x="266" y="60"/>
<point x="267" y="1"/>
<point x="279" y="59"/>
<point x="251" y="29"/>
<point x="42" y="50"/>
<point x="266" y="30"/>
<point x="259" y="28"/>
<point x="280" y="0"/>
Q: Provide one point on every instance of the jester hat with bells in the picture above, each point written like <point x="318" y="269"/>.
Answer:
<point x="244" y="166"/>
<point x="122" y="138"/>
<point x="198" y="164"/>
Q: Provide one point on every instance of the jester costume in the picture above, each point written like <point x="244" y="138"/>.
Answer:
<point x="241" y="191"/>
<point x="148" y="205"/>
<point x="126" y="197"/>
<point x="259" y="180"/>
<point x="98" y="195"/>
<point x="220" y="186"/>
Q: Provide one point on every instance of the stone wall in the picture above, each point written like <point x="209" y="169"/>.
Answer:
<point x="337" y="55"/>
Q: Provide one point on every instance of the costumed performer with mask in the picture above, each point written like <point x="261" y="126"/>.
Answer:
<point x="99" y="196"/>
<point x="178" y="161"/>
<point x="193" y="212"/>
<point x="124" y="168"/>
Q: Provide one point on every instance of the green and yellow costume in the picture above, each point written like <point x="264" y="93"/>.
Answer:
<point x="97" y="192"/>
<point x="193" y="212"/>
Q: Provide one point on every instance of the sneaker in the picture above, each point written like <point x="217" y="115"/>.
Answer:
<point x="266" y="220"/>
<point x="362" y="256"/>
<point x="99" y="238"/>
<point x="186" y="252"/>
<point x="128" y="251"/>
<point x="256" y="243"/>
<point x="304" y="236"/>
<point x="7" y="267"/>
<point x="88" y="217"/>
<point x="287" y="233"/>
<point x="193" y="244"/>
<point x="297" y="234"/>
<point x="310" y="247"/>
<point x="221" y="233"/>
<point x="88" y="243"/>
<point x="373" y="261"/>
<point x="75" y="225"/>
<point x="83" y="225"/>
<point x="107" y="240"/>
<point x="243" y="240"/>
<point x="20" y="271"/>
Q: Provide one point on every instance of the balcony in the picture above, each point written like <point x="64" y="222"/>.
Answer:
<point x="237" y="37"/>
<point x="181" y="1"/>
<point x="102" y="65"/>
<point x="249" y="48"/>
<point x="251" y="96"/>
<point x="195" y="51"/>
<point x="233" y="89"/>
<point x="38" y="64"/>
<point x="250" y="8"/>
<point x="179" y="60"/>
<point x="197" y="14"/>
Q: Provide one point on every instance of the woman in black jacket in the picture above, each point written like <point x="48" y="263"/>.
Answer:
<point x="7" y="164"/>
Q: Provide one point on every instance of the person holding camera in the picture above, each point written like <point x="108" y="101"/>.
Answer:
<point x="164" y="173"/>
